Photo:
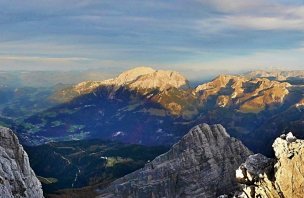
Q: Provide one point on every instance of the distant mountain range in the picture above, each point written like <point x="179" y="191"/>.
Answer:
<point x="155" y="107"/>
<point x="48" y="78"/>
<point x="279" y="75"/>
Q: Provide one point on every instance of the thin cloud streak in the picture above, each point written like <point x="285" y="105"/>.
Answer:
<point x="198" y="33"/>
<point x="42" y="59"/>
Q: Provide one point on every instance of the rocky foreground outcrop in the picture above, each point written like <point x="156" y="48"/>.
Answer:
<point x="201" y="164"/>
<point x="281" y="178"/>
<point x="17" y="179"/>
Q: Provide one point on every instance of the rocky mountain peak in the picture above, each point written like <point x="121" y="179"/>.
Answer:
<point x="139" y="78"/>
<point x="267" y="178"/>
<point x="201" y="164"/>
<point x="17" y="179"/>
<point x="148" y="78"/>
<point x="219" y="82"/>
<point x="132" y="74"/>
<point x="124" y="78"/>
<point x="287" y="146"/>
<point x="161" y="79"/>
<point x="248" y="95"/>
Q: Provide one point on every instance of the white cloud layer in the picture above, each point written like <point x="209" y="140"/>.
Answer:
<point x="254" y="15"/>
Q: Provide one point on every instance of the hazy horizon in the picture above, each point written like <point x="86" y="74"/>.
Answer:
<point x="200" y="75"/>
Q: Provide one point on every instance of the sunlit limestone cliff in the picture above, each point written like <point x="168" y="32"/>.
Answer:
<point x="249" y="96"/>
<point x="140" y="79"/>
<point x="282" y="177"/>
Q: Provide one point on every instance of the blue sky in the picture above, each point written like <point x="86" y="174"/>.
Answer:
<point x="183" y="35"/>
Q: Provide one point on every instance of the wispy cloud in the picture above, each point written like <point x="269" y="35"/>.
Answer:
<point x="42" y="59"/>
<point x="267" y="23"/>
<point x="235" y="6"/>
<point x="254" y="15"/>
<point x="245" y="22"/>
<point x="196" y="33"/>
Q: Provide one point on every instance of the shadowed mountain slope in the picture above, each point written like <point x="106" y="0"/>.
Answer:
<point x="150" y="107"/>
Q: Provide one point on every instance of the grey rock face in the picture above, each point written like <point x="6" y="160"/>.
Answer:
<point x="201" y="164"/>
<point x="255" y="166"/>
<point x="257" y="170"/>
<point x="17" y="179"/>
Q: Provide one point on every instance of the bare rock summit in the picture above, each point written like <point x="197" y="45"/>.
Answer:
<point x="201" y="164"/>
<point x="138" y="79"/>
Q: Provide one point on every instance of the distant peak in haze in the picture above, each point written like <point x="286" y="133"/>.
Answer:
<point x="148" y="78"/>
<point x="280" y="75"/>
<point x="139" y="78"/>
